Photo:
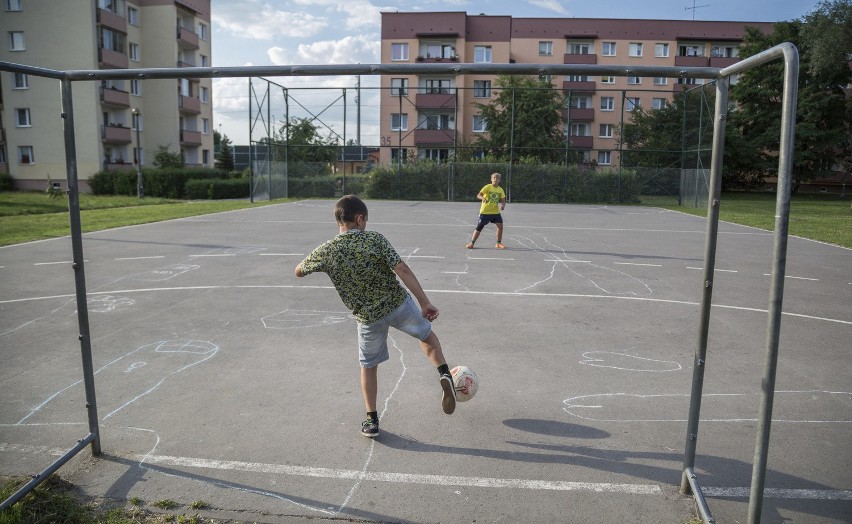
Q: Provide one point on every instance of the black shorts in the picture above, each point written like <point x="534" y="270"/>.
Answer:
<point x="487" y="219"/>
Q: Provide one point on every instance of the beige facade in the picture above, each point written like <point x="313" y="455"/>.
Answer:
<point x="436" y="114"/>
<point x="103" y="34"/>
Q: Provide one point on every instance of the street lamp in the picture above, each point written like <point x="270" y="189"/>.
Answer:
<point x="139" y="191"/>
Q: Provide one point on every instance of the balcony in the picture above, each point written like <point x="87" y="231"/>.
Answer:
<point x="723" y="61"/>
<point x="691" y="61"/>
<point x="111" y="20"/>
<point x="115" y="134"/>
<point x="115" y="97"/>
<point x="427" y="137"/>
<point x="112" y="59"/>
<point x="118" y="166"/>
<point x="587" y="87"/>
<point x="190" y="138"/>
<point x="584" y="142"/>
<point x="186" y="38"/>
<point x="2" y="135"/>
<point x="435" y="101"/>
<point x="580" y="59"/>
<point x="579" y="115"/>
<point x="189" y="104"/>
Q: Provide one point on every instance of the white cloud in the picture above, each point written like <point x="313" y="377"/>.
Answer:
<point x="359" y="49"/>
<point x="551" y="5"/>
<point x="253" y="20"/>
<point x="358" y="14"/>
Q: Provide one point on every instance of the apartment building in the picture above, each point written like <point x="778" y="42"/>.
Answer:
<point x="117" y="122"/>
<point x="429" y="114"/>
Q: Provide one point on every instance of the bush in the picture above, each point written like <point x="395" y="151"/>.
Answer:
<point x="7" y="183"/>
<point x="214" y="189"/>
<point x="165" y="183"/>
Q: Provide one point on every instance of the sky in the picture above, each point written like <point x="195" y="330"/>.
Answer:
<point x="322" y="32"/>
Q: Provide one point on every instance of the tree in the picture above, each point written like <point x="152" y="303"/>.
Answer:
<point x="526" y="114"/>
<point x="225" y="155"/>
<point x="823" y="116"/>
<point x="166" y="158"/>
<point x="305" y="143"/>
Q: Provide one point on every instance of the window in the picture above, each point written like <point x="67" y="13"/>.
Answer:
<point x="661" y="50"/>
<point x="607" y="103"/>
<point x="440" y="50"/>
<point x="133" y="16"/>
<point x="205" y="156"/>
<point x="479" y="125"/>
<point x="435" y="121"/>
<point x="725" y="51"/>
<point x="399" y="51"/>
<point x="21" y="81"/>
<point x="581" y="102"/>
<point x="139" y="156"/>
<point x="632" y="103"/>
<point x="580" y="130"/>
<point x="399" y="121"/>
<point x="578" y="78"/>
<point x="482" y="88"/>
<point x="13" y="5"/>
<point x="606" y="131"/>
<point x="438" y="86"/>
<point x="608" y="49"/>
<point x="25" y="155"/>
<point x="204" y="62"/>
<point x="205" y="126"/>
<point x="184" y="89"/>
<point x="202" y="31"/>
<point x="579" y="49"/>
<point x="111" y="40"/>
<point x="22" y="117"/>
<point x="687" y="81"/>
<point x="136" y="87"/>
<point x="604" y="158"/>
<point x="545" y="48"/>
<point x="136" y="121"/>
<point x="204" y="94"/>
<point x="109" y="5"/>
<point x="635" y="49"/>
<point x="634" y="80"/>
<point x="660" y="81"/>
<point x="658" y="103"/>
<point x="607" y="80"/>
<point x="395" y="154"/>
<point x="436" y="155"/>
<point x="16" y="41"/>
<point x="2" y="155"/>
<point x="482" y="54"/>
<point x="133" y="52"/>
<point x="691" y="50"/>
<point x="399" y="86"/>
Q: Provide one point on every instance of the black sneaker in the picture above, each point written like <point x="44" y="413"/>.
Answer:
<point x="370" y="428"/>
<point x="448" y="400"/>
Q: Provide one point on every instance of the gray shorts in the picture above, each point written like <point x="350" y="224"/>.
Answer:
<point x="373" y="338"/>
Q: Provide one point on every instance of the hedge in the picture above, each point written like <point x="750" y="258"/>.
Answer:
<point x="7" y="183"/>
<point x="165" y="183"/>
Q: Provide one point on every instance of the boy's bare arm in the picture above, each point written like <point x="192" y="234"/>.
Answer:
<point x="430" y="312"/>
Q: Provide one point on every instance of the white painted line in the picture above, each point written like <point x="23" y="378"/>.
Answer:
<point x="423" y="256"/>
<point x="486" y="258"/>
<point x="218" y="255"/>
<point x="281" y="254"/>
<point x="574" y="261"/>
<point x="138" y="258"/>
<point x="719" y="270"/>
<point x="637" y="264"/>
<point x="53" y="263"/>
<point x="405" y="478"/>
<point x="797" y="278"/>
<point x="778" y="493"/>
<point x="455" y="272"/>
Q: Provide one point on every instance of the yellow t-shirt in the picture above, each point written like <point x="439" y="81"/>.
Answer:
<point x="493" y="196"/>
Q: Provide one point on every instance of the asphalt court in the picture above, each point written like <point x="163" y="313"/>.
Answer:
<point x="222" y="377"/>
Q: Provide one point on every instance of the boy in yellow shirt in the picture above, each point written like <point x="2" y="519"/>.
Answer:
<point x="493" y="201"/>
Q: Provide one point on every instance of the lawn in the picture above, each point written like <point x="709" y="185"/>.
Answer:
<point x="27" y="216"/>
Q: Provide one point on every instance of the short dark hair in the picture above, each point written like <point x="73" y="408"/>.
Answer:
<point x="348" y="207"/>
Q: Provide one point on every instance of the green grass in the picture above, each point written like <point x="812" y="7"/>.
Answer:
<point x="820" y="217"/>
<point x="27" y="216"/>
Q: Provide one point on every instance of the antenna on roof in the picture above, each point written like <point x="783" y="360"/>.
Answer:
<point x="694" y="7"/>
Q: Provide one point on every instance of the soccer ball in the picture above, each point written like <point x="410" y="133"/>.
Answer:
<point x="465" y="382"/>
